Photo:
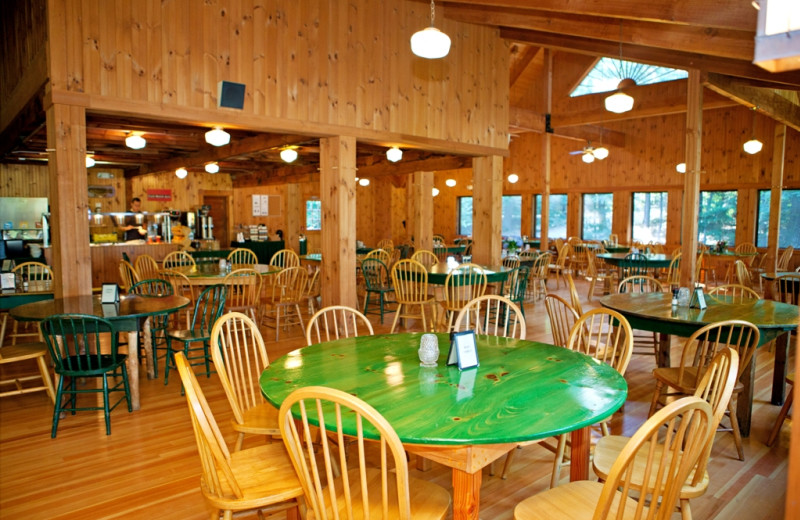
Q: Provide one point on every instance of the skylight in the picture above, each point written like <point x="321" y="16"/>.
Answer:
<point x="606" y="75"/>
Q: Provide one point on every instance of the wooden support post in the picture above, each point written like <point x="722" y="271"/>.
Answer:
<point x="338" y="197"/>
<point x="487" y="210"/>
<point x="776" y="189"/>
<point x="691" y="183"/>
<point x="295" y="216"/>
<point x="69" y="201"/>
<point x="546" y="151"/>
<point x="422" y="204"/>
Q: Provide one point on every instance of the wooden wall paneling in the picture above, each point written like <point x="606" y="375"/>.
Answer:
<point x="674" y="218"/>
<point x="24" y="180"/>
<point x="621" y="216"/>
<point x="120" y="201"/>
<point x="338" y="195"/>
<point x="574" y="214"/>
<point x="26" y="23"/>
<point x="365" y="214"/>
<point x="746" y="213"/>
<point x="691" y="190"/>
<point x="383" y="216"/>
<point x="487" y="205"/>
<point x="400" y="225"/>
<point x="526" y="220"/>
<point x="773" y="237"/>
<point x="295" y="216"/>
<point x="422" y="209"/>
<point x="547" y="151"/>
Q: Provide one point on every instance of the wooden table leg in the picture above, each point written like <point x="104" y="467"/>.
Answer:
<point x="148" y="349"/>
<point x="579" y="459"/>
<point x="663" y="354"/>
<point x="133" y="367"/>
<point x="466" y="494"/>
<point x="744" y="404"/>
<point x="779" y="370"/>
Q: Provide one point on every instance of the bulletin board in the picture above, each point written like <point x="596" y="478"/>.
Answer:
<point x="265" y="205"/>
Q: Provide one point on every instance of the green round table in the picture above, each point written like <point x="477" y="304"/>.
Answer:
<point x="437" y="274"/>
<point x="653" y="260"/>
<point x="521" y="391"/>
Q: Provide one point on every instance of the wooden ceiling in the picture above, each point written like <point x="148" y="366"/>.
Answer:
<point x="716" y="36"/>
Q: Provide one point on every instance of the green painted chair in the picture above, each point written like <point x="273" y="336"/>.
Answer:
<point x="377" y="281"/>
<point x="517" y="285"/>
<point x="159" y="323"/>
<point x="79" y="347"/>
<point x="207" y="310"/>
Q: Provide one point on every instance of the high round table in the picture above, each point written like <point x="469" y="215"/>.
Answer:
<point x="653" y="260"/>
<point x="127" y="316"/>
<point x="522" y="391"/>
<point x="209" y="273"/>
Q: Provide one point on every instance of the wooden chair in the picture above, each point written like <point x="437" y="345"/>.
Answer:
<point x="438" y="239"/>
<point x="127" y="275"/>
<point x="559" y="268"/>
<point x="181" y="286"/>
<point x="736" y="293"/>
<point x="674" y="271"/>
<point x="177" y="259"/>
<point x="596" y="274"/>
<point x="562" y="318"/>
<point x="427" y="258"/>
<point x="637" y="265"/>
<point x="243" y="291"/>
<point x="645" y="342"/>
<point x="286" y="295"/>
<point x="743" y="274"/>
<point x="688" y="420"/>
<point x="788" y="288"/>
<point x="745" y="248"/>
<point x="380" y="254"/>
<point x="460" y="287"/>
<point x="313" y="290"/>
<point x="787" y="405"/>
<point x="515" y="287"/>
<point x="146" y="267"/>
<point x="239" y="356"/>
<point x="578" y="257"/>
<point x="242" y="256"/>
<point x="785" y="259"/>
<point x="716" y="389"/>
<point x="23" y="354"/>
<point x="85" y="347"/>
<point x="492" y="315"/>
<point x="440" y="250"/>
<point x="574" y="299"/>
<point x="260" y="478"/>
<point x="361" y="490"/>
<point x="376" y="281"/>
<point x="697" y="353"/>
<point x="511" y="261"/>
<point x="32" y="272"/>
<point x="159" y="323"/>
<point x="334" y="322"/>
<point x="285" y="258"/>
<point x="537" y="286"/>
<point x="386" y="244"/>
<point x="207" y="310"/>
<point x="756" y="268"/>
<point x="410" y="280"/>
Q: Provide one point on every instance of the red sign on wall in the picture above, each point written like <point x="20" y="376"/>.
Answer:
<point x="159" y="194"/>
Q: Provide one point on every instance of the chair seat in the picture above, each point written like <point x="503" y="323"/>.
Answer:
<point x="260" y="420"/>
<point x="189" y="334"/>
<point x="608" y="449"/>
<point x="669" y="376"/>
<point x="92" y="366"/>
<point x="576" y="500"/>
<point x="13" y="353"/>
<point x="428" y="500"/>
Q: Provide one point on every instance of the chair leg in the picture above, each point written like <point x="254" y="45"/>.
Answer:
<point x="558" y="460"/>
<point x="686" y="509"/>
<point x="737" y="436"/>
<point x="57" y="406"/>
<point x="48" y="383"/>
<point x="106" y="411"/>
<point x="656" y="396"/>
<point x="507" y="463"/>
<point x="167" y="361"/>
<point x="396" y="317"/>
<point x="781" y="417"/>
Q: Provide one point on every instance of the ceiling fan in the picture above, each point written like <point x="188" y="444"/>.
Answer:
<point x="590" y="153"/>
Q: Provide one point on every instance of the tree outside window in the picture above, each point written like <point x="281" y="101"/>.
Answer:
<point x="598" y="210"/>
<point x="789" y="226"/>
<point x="313" y="215"/>
<point x="511" y="215"/>
<point x="557" y="221"/>
<point x="717" y="220"/>
<point x="650" y="217"/>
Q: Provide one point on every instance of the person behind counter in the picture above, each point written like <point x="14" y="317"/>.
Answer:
<point x="134" y="231"/>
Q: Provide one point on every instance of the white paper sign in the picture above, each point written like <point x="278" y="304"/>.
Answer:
<point x="110" y="293"/>
<point x="7" y="280"/>
<point x="256" y="205"/>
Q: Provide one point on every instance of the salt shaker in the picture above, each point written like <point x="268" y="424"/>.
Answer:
<point x="428" y="350"/>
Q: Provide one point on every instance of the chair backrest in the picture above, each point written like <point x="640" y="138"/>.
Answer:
<point x="467" y="250"/>
<point x="146" y="267"/>
<point x="613" y="238"/>
<point x="636" y="264"/>
<point x="208" y="307"/>
<point x="243" y="288"/>
<point x="563" y="256"/>
<point x="528" y="256"/>
<point x="386" y="244"/>
<point x="242" y="256"/>
<point x="670" y="457"/>
<point x="376" y="274"/>
<point x="511" y="261"/>
<point x="640" y="284"/>
<point x="239" y="356"/>
<point x="541" y="266"/>
<point x="492" y="315"/>
<point x="78" y="344"/>
<point x="127" y="275"/>
<point x="285" y="258"/>
<point x="218" y="478"/>
<point x="178" y="259"/>
<point x="701" y="347"/>
<point x="427" y="258"/>
<point x="410" y="279"/>
<point x="342" y="414"/>
<point x="181" y="285"/>
<point x="788" y="288"/>
<point x="605" y="335"/>
<point x="438" y="239"/>
<point x="746" y="248"/>
<point x="380" y="254"/>
<point x="674" y="271"/>
<point x="334" y="322"/>
<point x="785" y="258"/>
<point x="562" y="318"/>
<point x="34" y="271"/>
<point x="152" y="287"/>
<point x="314" y="284"/>
<point x="289" y="285"/>
<point x="517" y="282"/>
<point x="743" y="274"/>
<point x="736" y="293"/>
<point x="440" y="250"/>
<point x="464" y="284"/>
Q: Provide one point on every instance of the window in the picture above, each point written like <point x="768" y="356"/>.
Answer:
<point x="717" y="222"/>
<point x="650" y="217"/>
<point x="605" y="76"/>
<point x="313" y="215"/>
<point x="790" y="219"/>
<point x="511" y="215"/>
<point x="597" y="215"/>
<point x="557" y="223"/>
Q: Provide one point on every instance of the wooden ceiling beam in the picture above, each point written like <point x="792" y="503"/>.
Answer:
<point x="722" y="14"/>
<point x="651" y="55"/>
<point x="405" y="167"/>
<point x="521" y="62"/>
<point x="592" y="133"/>
<point x="735" y="44"/>
<point x="526" y="120"/>
<point x="766" y="101"/>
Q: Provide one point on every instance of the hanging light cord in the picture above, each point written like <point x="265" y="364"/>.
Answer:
<point x="433" y="12"/>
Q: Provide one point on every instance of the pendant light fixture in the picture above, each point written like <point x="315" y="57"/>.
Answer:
<point x="218" y="137"/>
<point x="90" y="161"/>
<point x="620" y="102"/>
<point x="212" y="167"/>
<point x="450" y="183"/>
<point x="394" y="154"/>
<point x="363" y="181"/>
<point x="288" y="154"/>
<point x="753" y="146"/>
<point x="430" y="42"/>
<point x="135" y="141"/>
<point x="181" y="173"/>
<point x="513" y="178"/>
<point x="681" y="167"/>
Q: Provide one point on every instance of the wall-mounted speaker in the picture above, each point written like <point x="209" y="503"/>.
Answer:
<point x="231" y="95"/>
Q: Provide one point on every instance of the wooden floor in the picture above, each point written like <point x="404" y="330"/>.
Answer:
<point x="149" y="469"/>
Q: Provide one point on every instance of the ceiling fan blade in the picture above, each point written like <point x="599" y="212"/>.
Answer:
<point x="576" y="152"/>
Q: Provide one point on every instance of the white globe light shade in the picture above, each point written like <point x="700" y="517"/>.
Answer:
<point x="137" y="142"/>
<point x="435" y="191"/>
<point x="681" y="167"/>
<point x="513" y="178"/>
<point x="90" y="161"/>
<point x="753" y="146"/>
<point x="600" y="153"/>
<point x="619" y="103"/>
<point x="587" y="157"/>
<point x="212" y="167"/>
<point x="430" y="43"/>
<point x="218" y="137"/>
<point x="181" y="173"/>
<point x="450" y="183"/>
<point x="363" y="182"/>
<point x="394" y="154"/>
<point x="289" y="154"/>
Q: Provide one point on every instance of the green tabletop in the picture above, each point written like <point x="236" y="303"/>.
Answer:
<point x="535" y="244"/>
<point x="437" y="274"/>
<point x="211" y="273"/>
<point x="313" y="257"/>
<point x="210" y="254"/>
<point x="653" y="260"/>
<point x="654" y="311"/>
<point x="521" y="391"/>
<point x="774" y="276"/>
<point x="37" y="291"/>
<point x="264" y="250"/>
<point x="618" y="249"/>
